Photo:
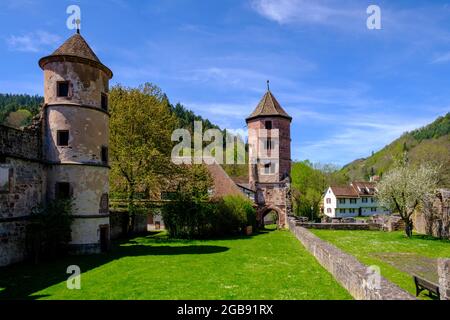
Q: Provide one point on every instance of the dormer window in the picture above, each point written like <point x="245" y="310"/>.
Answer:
<point x="62" y="88"/>
<point x="268" y="125"/>
<point x="104" y="102"/>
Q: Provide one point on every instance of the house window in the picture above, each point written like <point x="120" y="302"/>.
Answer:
<point x="353" y="201"/>
<point x="372" y="200"/>
<point x="342" y="210"/>
<point x="104" y="102"/>
<point x="328" y="200"/>
<point x="62" y="88"/>
<point x="373" y="209"/>
<point x="5" y="177"/>
<point x="268" y="125"/>
<point x="342" y="201"/>
<point x="62" y="190"/>
<point x="364" y="200"/>
<point x="329" y="210"/>
<point x="352" y="210"/>
<point x="63" y="138"/>
<point x="269" y="168"/>
<point x="104" y="155"/>
<point x="269" y="144"/>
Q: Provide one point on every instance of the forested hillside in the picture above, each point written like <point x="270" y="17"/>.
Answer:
<point x="430" y="143"/>
<point x="17" y="110"/>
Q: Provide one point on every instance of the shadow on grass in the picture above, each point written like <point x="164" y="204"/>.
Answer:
<point x="20" y="281"/>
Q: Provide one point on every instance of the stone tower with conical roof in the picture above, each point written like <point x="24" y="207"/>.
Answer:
<point x="269" y="139"/>
<point x="75" y="129"/>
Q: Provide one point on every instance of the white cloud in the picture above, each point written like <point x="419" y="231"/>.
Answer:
<point x="33" y="42"/>
<point x="305" y="11"/>
<point x="442" y="58"/>
<point x="357" y="139"/>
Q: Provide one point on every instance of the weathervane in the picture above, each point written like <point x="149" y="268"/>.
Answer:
<point x="78" y="22"/>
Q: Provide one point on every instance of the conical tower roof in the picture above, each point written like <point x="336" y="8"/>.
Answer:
<point x="268" y="107"/>
<point x="75" y="49"/>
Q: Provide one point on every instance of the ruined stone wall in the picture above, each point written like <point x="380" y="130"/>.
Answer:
<point x="25" y="144"/>
<point x="444" y="278"/>
<point x="22" y="187"/>
<point x="354" y="276"/>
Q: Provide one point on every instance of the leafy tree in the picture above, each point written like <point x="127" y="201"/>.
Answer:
<point x="186" y="215"/>
<point x="13" y="102"/>
<point x="406" y="187"/>
<point x="141" y="125"/>
<point x="49" y="230"/>
<point x="309" y="182"/>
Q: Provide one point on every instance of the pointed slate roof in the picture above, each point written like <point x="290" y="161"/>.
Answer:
<point x="268" y="106"/>
<point x="75" y="49"/>
<point x="76" y="46"/>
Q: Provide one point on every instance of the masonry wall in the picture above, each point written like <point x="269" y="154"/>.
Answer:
<point x="22" y="187"/>
<point x="347" y="270"/>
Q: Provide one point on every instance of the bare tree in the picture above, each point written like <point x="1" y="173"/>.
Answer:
<point x="404" y="188"/>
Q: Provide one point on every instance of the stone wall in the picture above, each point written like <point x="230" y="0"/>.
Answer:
<point x="337" y="226"/>
<point x="26" y="191"/>
<point x="359" y="280"/>
<point x="25" y="144"/>
<point x="444" y="278"/>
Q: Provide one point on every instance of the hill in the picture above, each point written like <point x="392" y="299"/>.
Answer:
<point x="17" y="110"/>
<point x="430" y="143"/>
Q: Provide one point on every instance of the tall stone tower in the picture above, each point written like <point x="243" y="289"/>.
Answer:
<point x="75" y="139"/>
<point x="269" y="141"/>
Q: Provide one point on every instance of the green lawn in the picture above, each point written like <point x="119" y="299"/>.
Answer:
<point x="270" y="265"/>
<point x="397" y="256"/>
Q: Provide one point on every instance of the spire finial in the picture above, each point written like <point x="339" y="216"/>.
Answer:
<point x="78" y="22"/>
<point x="268" y="86"/>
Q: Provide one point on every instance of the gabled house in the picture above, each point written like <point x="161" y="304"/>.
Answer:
<point x="356" y="199"/>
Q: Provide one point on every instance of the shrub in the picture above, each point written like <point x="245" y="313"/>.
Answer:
<point x="49" y="230"/>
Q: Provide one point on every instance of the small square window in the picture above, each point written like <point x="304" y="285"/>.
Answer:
<point x="63" y="138"/>
<point x="62" y="191"/>
<point x="104" y="101"/>
<point x="105" y="155"/>
<point x="62" y="88"/>
<point x="269" y="168"/>
<point x="268" y="125"/>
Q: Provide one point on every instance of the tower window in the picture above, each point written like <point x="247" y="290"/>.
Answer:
<point x="269" y="168"/>
<point x="269" y="144"/>
<point x="62" y="190"/>
<point x="62" y="88"/>
<point x="268" y="125"/>
<point x="104" y="102"/>
<point x="105" y="155"/>
<point x="63" y="138"/>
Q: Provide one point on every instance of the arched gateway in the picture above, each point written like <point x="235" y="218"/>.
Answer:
<point x="269" y="140"/>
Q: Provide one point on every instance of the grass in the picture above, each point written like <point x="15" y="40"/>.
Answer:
<point x="396" y="255"/>
<point x="269" y="265"/>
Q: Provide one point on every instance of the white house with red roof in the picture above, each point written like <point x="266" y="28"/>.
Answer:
<point x="356" y="199"/>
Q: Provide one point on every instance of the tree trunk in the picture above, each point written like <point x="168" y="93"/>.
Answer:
<point x="131" y="210"/>
<point x="408" y="227"/>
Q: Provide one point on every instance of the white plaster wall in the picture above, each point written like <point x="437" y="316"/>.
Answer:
<point x="88" y="132"/>
<point x="87" y="231"/>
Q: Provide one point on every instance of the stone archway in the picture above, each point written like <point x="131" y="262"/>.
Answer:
<point x="263" y="211"/>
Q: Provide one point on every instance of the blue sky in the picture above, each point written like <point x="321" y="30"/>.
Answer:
<point x="350" y="90"/>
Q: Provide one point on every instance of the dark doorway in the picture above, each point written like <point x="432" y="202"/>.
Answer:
<point x="104" y="237"/>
